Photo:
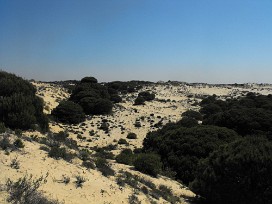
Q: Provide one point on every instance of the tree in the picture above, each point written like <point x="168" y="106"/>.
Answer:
<point x="239" y="172"/>
<point x="69" y="112"/>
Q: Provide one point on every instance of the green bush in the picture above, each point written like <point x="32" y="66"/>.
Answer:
<point x="182" y="148"/>
<point x="88" y="80"/>
<point x="104" y="167"/>
<point x="18" y="143"/>
<point x="131" y="135"/>
<point x="139" y="101"/>
<point x="148" y="164"/>
<point x="25" y="191"/>
<point x="147" y="96"/>
<point x="69" y="112"/>
<point x="239" y="173"/>
<point x="20" y="108"/>
<point x="92" y="97"/>
<point x="60" y="152"/>
<point x="115" y="98"/>
<point x="125" y="157"/>
<point x="192" y="114"/>
<point x="122" y="141"/>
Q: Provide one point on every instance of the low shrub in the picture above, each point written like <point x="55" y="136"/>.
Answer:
<point x="131" y="135"/>
<point x="103" y="166"/>
<point x="79" y="181"/>
<point x="122" y="141"/>
<point x="18" y="143"/>
<point x="60" y="152"/>
<point x="25" y="191"/>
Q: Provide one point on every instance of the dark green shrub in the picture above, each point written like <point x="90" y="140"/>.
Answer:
<point x="139" y="101"/>
<point x="88" y="164"/>
<point x="131" y="135"/>
<point x="115" y="98"/>
<point x="88" y="80"/>
<point x="18" y="143"/>
<point x="148" y="164"/>
<point x="192" y="114"/>
<point x="61" y="136"/>
<point x="102" y="106"/>
<point x="104" y="167"/>
<point x="5" y="143"/>
<point x="104" y="153"/>
<point x="122" y="141"/>
<point x="182" y="148"/>
<point x="60" y="152"/>
<point x="239" y="173"/>
<point x="125" y="157"/>
<point x="147" y="96"/>
<point x="84" y="154"/>
<point x="69" y="112"/>
<point x="79" y="181"/>
<point x="187" y="122"/>
<point x="20" y="108"/>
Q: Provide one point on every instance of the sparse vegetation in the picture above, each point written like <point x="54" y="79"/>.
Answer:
<point x="104" y="167"/>
<point x="79" y="181"/>
<point x="25" y="191"/>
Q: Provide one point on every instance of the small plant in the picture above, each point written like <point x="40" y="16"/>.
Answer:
<point x="138" y="124"/>
<point x="15" y="163"/>
<point x="65" y="179"/>
<point x="133" y="199"/>
<point x="139" y="101"/>
<point x="88" y="164"/>
<point x="5" y="143"/>
<point x="122" y="141"/>
<point x="18" y="143"/>
<point x="103" y="166"/>
<point x="91" y="133"/>
<point x="84" y="154"/>
<point x="79" y="181"/>
<point x="131" y="135"/>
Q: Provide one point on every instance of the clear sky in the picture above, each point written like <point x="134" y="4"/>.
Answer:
<point x="214" y="41"/>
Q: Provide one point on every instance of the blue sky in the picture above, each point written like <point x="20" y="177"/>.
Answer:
<point x="214" y="41"/>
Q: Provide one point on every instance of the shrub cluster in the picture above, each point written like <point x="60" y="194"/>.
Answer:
<point x="88" y="97"/>
<point x="144" y="96"/>
<point x="20" y="108"/>
<point x="228" y="158"/>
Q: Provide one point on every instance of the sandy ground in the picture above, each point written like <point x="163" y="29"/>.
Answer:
<point x="171" y="101"/>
